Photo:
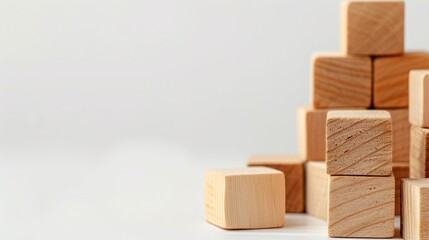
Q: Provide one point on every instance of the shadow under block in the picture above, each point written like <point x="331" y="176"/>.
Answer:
<point x="391" y="78"/>
<point x="342" y="81"/>
<point x="401" y="170"/>
<point x="419" y="97"/>
<point x="400" y="134"/>
<point x="316" y="189"/>
<point x="419" y="152"/>
<point x="372" y="27"/>
<point x="361" y="206"/>
<point x="359" y="143"/>
<point x="245" y="198"/>
<point x="293" y="169"/>
<point x="415" y="209"/>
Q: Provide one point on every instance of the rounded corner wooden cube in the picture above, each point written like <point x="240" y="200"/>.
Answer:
<point x="245" y="198"/>
<point x="415" y="209"/>
<point x="419" y="98"/>
<point x="359" y="142"/>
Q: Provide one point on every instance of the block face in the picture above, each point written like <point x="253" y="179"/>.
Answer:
<point x="311" y="128"/>
<point x="419" y="98"/>
<point x="316" y="189"/>
<point x="400" y="134"/>
<point x="419" y="152"/>
<point x="342" y="81"/>
<point x="361" y="206"/>
<point x="245" y="198"/>
<point x="401" y="170"/>
<point x="359" y="143"/>
<point x="415" y="209"/>
<point x="293" y="170"/>
<point x="373" y="27"/>
<point x="391" y="78"/>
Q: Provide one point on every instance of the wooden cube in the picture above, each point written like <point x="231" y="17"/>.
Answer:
<point x="415" y="209"/>
<point x="311" y="133"/>
<point x="419" y="98"/>
<point x="372" y="27"/>
<point x="361" y="206"/>
<point x="400" y="134"/>
<point x="401" y="170"/>
<point x="245" y="198"/>
<point x="359" y="143"/>
<point x="316" y="189"/>
<point x="293" y="169"/>
<point x="419" y="159"/>
<point x="342" y="81"/>
<point x="391" y="78"/>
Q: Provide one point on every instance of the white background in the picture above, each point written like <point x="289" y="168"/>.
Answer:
<point x="111" y="110"/>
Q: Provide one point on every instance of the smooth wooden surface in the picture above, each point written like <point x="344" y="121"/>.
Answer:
<point x="359" y="143"/>
<point x="372" y="27"/>
<point x="401" y="170"/>
<point x="419" y="152"/>
<point x="419" y="97"/>
<point x="415" y="209"/>
<point x="293" y="169"/>
<point x="400" y="134"/>
<point x="391" y="78"/>
<point x="316" y="189"/>
<point x="341" y="81"/>
<point x="361" y="206"/>
<point x="245" y="198"/>
<point x="311" y="133"/>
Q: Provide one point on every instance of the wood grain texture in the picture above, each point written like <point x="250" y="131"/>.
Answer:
<point x="419" y="152"/>
<point x="391" y="78"/>
<point x="372" y="27"/>
<point x="419" y="98"/>
<point x="361" y="206"/>
<point x="293" y="169"/>
<point x="415" y="209"/>
<point x="316" y="189"/>
<point x="359" y="143"/>
<point x="341" y="81"/>
<point x="245" y="198"/>
<point x="401" y="170"/>
<point x="400" y="134"/>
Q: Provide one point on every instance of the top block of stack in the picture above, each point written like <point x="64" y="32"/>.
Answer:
<point x="373" y="28"/>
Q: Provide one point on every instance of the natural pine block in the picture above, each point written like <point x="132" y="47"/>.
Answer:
<point x="400" y="134"/>
<point x="311" y="133"/>
<point x="293" y="169"/>
<point x="316" y="189"/>
<point x="361" y="206"/>
<point x="245" y="198"/>
<point x="419" y="161"/>
<point x="391" y="78"/>
<point x="419" y="98"/>
<point x="359" y="143"/>
<point x="372" y="27"/>
<point x="401" y="170"/>
<point x="342" y="81"/>
<point x="415" y="209"/>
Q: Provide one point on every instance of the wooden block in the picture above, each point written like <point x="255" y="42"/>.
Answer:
<point x="415" y="209"/>
<point x="359" y="143"/>
<point x="391" y="78"/>
<point x="311" y="133"/>
<point x="401" y="170"/>
<point x="342" y="81"/>
<point x="400" y="134"/>
<point x="293" y="169"/>
<point x="419" y="98"/>
<point x="245" y="198"/>
<point x="316" y="189"/>
<point x="419" y="164"/>
<point x="361" y="206"/>
<point x="372" y="27"/>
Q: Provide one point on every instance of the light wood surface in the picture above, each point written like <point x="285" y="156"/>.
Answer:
<point x="391" y="78"/>
<point x="401" y="170"/>
<point x="415" y="209"/>
<point x="359" y="143"/>
<point x="372" y="27"/>
<point x="293" y="169"/>
<point x="341" y="81"/>
<point x="361" y="206"/>
<point x="419" y="97"/>
<point x="400" y="134"/>
<point x="419" y="152"/>
<point x="316" y="189"/>
<point x="311" y="133"/>
<point x="245" y="198"/>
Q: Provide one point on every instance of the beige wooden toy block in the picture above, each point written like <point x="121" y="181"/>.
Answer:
<point x="342" y="81"/>
<point x="316" y="189"/>
<point x="311" y="133"/>
<point x="361" y="206"/>
<point x="419" y="98"/>
<point x="245" y="198"/>
<point x="391" y="78"/>
<point x="293" y="169"/>
<point x="401" y="170"/>
<point x="415" y="209"/>
<point x="400" y="134"/>
<point x="419" y="157"/>
<point x="359" y="143"/>
<point x="372" y="27"/>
